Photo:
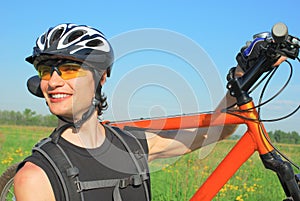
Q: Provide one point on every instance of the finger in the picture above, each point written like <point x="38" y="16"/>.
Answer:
<point x="280" y="60"/>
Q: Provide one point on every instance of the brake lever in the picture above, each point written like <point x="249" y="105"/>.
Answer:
<point x="289" y="48"/>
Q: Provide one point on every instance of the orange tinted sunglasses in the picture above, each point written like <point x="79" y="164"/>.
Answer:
<point x="66" y="70"/>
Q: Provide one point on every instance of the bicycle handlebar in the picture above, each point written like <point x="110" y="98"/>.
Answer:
<point x="287" y="45"/>
<point x="279" y="32"/>
<point x="280" y="44"/>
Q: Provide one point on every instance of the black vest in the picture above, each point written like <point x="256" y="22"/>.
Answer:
<point x="115" y="171"/>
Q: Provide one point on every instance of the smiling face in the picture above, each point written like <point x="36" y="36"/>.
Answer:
<point x="68" y="98"/>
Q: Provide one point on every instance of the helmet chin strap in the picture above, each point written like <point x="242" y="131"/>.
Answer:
<point x="83" y="119"/>
<point x="95" y="102"/>
<point x="88" y="113"/>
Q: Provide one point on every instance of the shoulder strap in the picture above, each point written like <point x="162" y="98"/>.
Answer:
<point x="136" y="152"/>
<point x="66" y="172"/>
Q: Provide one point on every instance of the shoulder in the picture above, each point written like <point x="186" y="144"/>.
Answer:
<point x="29" y="174"/>
<point x="32" y="183"/>
<point x="131" y="135"/>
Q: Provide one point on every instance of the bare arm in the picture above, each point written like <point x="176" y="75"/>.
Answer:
<point x="175" y="143"/>
<point x="32" y="184"/>
<point x="178" y="142"/>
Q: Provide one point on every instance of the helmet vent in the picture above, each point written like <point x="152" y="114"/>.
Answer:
<point x="56" y="35"/>
<point x="94" y="43"/>
<point x="43" y="39"/>
<point x="74" y="36"/>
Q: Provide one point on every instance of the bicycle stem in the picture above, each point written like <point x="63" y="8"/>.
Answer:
<point x="239" y="87"/>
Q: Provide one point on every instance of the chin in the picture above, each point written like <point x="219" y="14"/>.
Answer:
<point x="59" y="112"/>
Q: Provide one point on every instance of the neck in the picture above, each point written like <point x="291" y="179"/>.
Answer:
<point x="90" y="135"/>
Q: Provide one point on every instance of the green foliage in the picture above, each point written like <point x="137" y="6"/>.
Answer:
<point x="16" y="142"/>
<point x="173" y="179"/>
<point x="285" y="137"/>
<point x="26" y="118"/>
<point x="278" y="136"/>
<point x="234" y="137"/>
<point x="179" y="180"/>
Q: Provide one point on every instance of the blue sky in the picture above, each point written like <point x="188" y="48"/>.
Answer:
<point x="215" y="29"/>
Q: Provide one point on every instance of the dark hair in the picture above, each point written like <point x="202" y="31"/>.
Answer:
<point x="102" y="105"/>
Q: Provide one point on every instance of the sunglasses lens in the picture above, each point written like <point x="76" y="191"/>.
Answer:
<point x="44" y="72"/>
<point x="66" y="71"/>
<point x="69" y="71"/>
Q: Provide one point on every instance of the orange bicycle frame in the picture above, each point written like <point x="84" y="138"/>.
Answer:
<point x="253" y="140"/>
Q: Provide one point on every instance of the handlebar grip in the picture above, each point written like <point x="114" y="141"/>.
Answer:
<point x="279" y="32"/>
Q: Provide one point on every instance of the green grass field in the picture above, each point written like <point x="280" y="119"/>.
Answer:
<point x="174" y="179"/>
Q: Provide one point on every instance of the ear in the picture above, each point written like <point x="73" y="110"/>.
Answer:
<point x="33" y="85"/>
<point x="103" y="79"/>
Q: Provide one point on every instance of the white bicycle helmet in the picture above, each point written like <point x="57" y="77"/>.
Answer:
<point x="75" y="42"/>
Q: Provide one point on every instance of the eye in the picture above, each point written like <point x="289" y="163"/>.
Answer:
<point x="44" y="70"/>
<point x="70" y="68"/>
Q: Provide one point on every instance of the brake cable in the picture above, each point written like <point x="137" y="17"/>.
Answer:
<point x="227" y="109"/>
<point x="279" y="92"/>
<point x="270" y="74"/>
<point x="258" y="106"/>
<point x="277" y="150"/>
<point x="272" y="120"/>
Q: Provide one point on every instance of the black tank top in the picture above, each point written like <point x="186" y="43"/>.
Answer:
<point x="109" y="161"/>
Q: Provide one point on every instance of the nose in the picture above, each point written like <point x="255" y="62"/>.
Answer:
<point x="55" y="80"/>
<point x="55" y="69"/>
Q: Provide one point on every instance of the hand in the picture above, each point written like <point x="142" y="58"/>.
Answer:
<point x="248" y="55"/>
<point x="280" y="60"/>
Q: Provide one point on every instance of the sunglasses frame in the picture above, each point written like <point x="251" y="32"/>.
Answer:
<point x="57" y="65"/>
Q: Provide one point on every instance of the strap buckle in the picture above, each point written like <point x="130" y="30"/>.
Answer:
<point x="124" y="183"/>
<point x="79" y="186"/>
<point x="134" y="180"/>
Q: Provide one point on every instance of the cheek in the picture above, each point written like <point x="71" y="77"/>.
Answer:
<point x="43" y="86"/>
<point x="85" y="88"/>
<point x="86" y="91"/>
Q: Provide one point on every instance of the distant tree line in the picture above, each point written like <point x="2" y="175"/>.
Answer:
<point x="285" y="137"/>
<point x="31" y="118"/>
<point x="279" y="136"/>
<point x="27" y="118"/>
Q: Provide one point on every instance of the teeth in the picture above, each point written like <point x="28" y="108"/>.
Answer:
<point x="59" y="95"/>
